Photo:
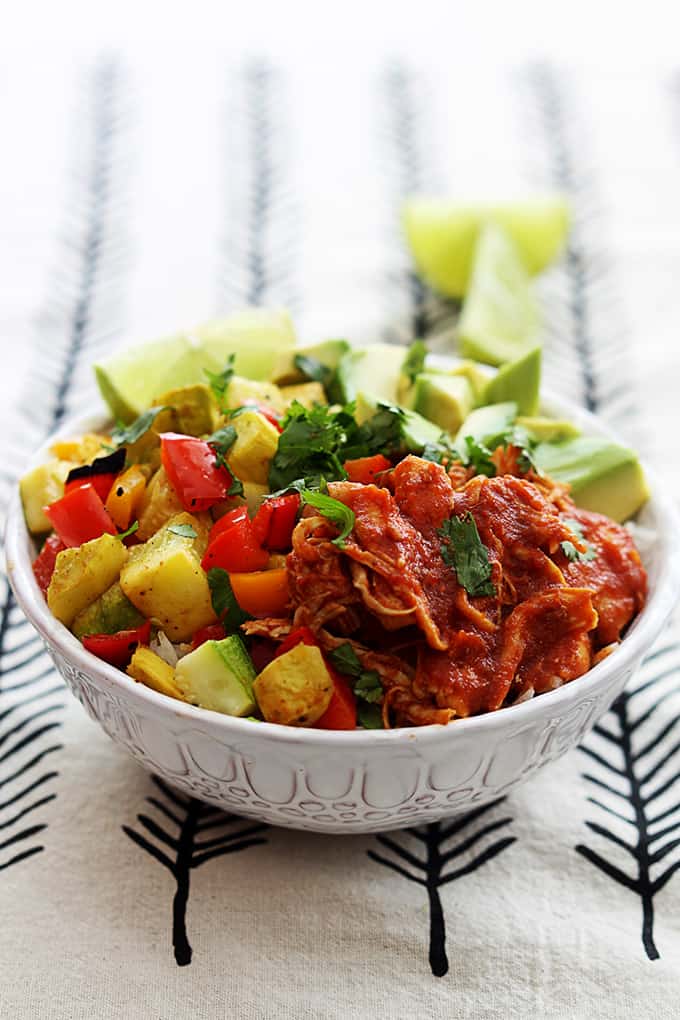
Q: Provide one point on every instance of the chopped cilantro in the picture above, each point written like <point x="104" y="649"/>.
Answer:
<point x="130" y="531"/>
<point x="345" y="660"/>
<point x="414" y="362"/>
<point x="219" y="381"/>
<point x="383" y="433"/>
<point x="183" y="530"/>
<point x="224" y="601"/>
<point x="463" y="550"/>
<point x="310" y="445"/>
<point x="221" y="442"/>
<point x="314" y="369"/>
<point x="369" y="716"/>
<point x="369" y="686"/>
<point x="569" y="549"/>
<point x="479" y="457"/>
<point x="366" y="684"/>
<point x="126" y="436"/>
<point x="335" y="511"/>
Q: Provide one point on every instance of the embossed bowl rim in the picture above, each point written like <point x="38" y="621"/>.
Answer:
<point x="664" y="594"/>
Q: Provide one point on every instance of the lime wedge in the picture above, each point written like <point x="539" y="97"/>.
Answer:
<point x="130" y="380"/>
<point x="442" y="235"/>
<point x="500" y="317"/>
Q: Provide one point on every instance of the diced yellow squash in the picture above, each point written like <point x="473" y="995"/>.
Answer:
<point x="254" y="494"/>
<point x="82" y="450"/>
<point x="165" y="581"/>
<point x="194" y="409"/>
<point x="40" y="487"/>
<point x="240" y="391"/>
<point x="147" y="449"/>
<point x="148" y="668"/>
<point x="256" y="443"/>
<point x="295" y="689"/>
<point x="307" y="394"/>
<point x="81" y="575"/>
<point x="159" y="504"/>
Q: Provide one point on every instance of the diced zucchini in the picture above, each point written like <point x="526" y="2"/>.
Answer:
<point x="218" y="675"/>
<point x="148" y="668"/>
<point x="256" y="443"/>
<point x="165" y="581"/>
<point x="81" y="575"/>
<point x="296" y="688"/>
<point x="40" y="487"/>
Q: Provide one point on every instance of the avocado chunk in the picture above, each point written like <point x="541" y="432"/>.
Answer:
<point x="484" y="424"/>
<point x="519" y="380"/>
<point x="446" y="400"/>
<point x="108" y="614"/>
<point x="194" y="409"/>
<point x="84" y="573"/>
<point x="295" y="689"/>
<point x="548" y="430"/>
<point x="417" y="431"/>
<point x="40" y="487"/>
<point x="602" y="475"/>
<point x="218" y="675"/>
<point x="374" y="369"/>
<point x="500" y="318"/>
<point x="328" y="352"/>
<point x="149" y="669"/>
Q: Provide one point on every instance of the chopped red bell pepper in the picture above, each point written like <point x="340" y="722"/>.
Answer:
<point x="301" y="635"/>
<point x="236" y="550"/>
<point x="101" y="484"/>
<point x="235" y="516"/>
<point x="341" y="714"/>
<point x="275" y="520"/>
<point x="364" y="469"/>
<point x="213" y="632"/>
<point x="190" y="466"/>
<point x="118" y="648"/>
<point x="80" y="516"/>
<point x="43" y="565"/>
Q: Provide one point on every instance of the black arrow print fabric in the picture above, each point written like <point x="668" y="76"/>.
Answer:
<point x="178" y="191"/>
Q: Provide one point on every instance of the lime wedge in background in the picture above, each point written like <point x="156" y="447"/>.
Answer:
<point x="130" y="380"/>
<point x="500" y="317"/>
<point x="443" y="235"/>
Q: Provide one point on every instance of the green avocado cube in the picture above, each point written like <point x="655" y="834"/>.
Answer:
<point x="518" y="380"/>
<point x="445" y="400"/>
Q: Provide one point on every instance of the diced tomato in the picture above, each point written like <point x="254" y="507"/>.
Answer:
<point x="364" y="469"/>
<point x="100" y="483"/>
<point x="43" y="565"/>
<point x="213" y="632"/>
<point x="275" y="520"/>
<point x="118" y="648"/>
<point x="301" y="635"/>
<point x="190" y="466"/>
<point x="80" y="516"/>
<point x="235" y="516"/>
<point x="341" y="714"/>
<point x="262" y="592"/>
<point x="267" y="412"/>
<point x="236" y="550"/>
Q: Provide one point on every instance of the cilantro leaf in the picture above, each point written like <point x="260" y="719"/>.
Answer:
<point x="463" y="550"/>
<point x="224" y="601"/>
<point x="369" y="716"/>
<point x="221" y="442"/>
<point x="314" y="369"/>
<point x="414" y="362"/>
<point x="183" y="530"/>
<point x="219" y="381"/>
<point x="126" y="436"/>
<point x="441" y="451"/>
<point x="369" y="686"/>
<point x="336" y="512"/>
<point x="310" y="445"/>
<point x="130" y="531"/>
<point x="345" y="660"/>
<point x="479" y="457"/>
<point x="569" y="549"/>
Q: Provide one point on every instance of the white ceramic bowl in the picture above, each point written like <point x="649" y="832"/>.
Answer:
<point x="363" y="781"/>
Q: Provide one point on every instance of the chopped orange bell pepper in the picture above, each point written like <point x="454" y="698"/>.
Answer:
<point x="261" y="592"/>
<point x="125" y="496"/>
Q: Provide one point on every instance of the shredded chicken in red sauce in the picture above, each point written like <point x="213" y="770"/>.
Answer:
<point x="440" y="653"/>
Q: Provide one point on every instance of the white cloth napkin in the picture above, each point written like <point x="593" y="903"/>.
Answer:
<point x="140" y="197"/>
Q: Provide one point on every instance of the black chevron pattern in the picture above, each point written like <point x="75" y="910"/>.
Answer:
<point x="184" y="848"/>
<point x="67" y="338"/>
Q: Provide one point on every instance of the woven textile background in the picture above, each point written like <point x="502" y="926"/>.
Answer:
<point x="136" y="200"/>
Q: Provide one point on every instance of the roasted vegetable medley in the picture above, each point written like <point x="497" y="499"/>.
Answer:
<point x="360" y="539"/>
